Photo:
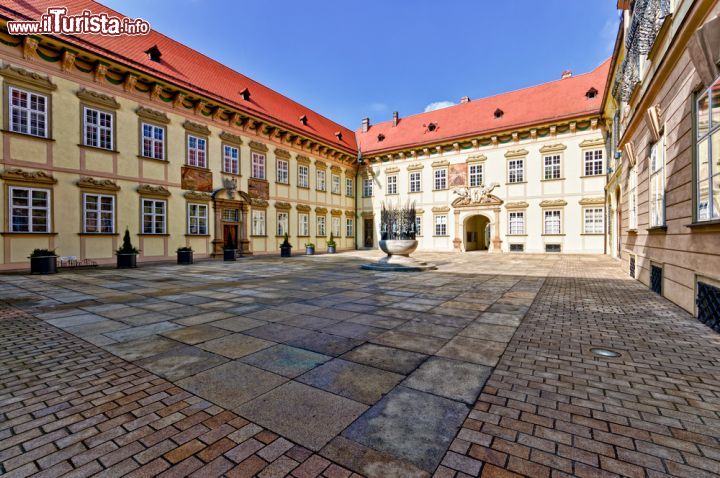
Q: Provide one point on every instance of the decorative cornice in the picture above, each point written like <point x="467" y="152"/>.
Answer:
<point x="257" y="146"/>
<point x="477" y="158"/>
<point x="320" y="164"/>
<point x="283" y="206"/>
<point x="336" y="169"/>
<point x="592" y="201"/>
<point x="256" y="202"/>
<point x="197" y="128"/>
<point x="394" y="169"/>
<point x="629" y="151"/>
<point x="589" y="143"/>
<point x="415" y="166"/>
<point x="336" y="212"/>
<point x="302" y="159"/>
<point x="152" y="115"/>
<point x="97" y="98"/>
<point x="350" y="213"/>
<point x="37" y="177"/>
<point x="441" y="209"/>
<point x="653" y="118"/>
<point x="516" y="153"/>
<point x="368" y="215"/>
<point x="28" y="78"/>
<point x="303" y="207"/>
<point x="419" y="210"/>
<point x="440" y="164"/>
<point x="516" y="205"/>
<point x="282" y="153"/>
<point x="231" y="138"/>
<point x="321" y="210"/>
<point x="103" y="184"/>
<point x="553" y="203"/>
<point x="150" y="190"/>
<point x="197" y="196"/>
<point x="553" y="148"/>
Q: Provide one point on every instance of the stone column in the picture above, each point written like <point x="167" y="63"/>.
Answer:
<point x="244" y="242"/>
<point x="496" y="236"/>
<point x="457" y="242"/>
<point x="218" y="241"/>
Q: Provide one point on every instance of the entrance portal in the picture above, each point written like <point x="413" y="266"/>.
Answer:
<point x="477" y="233"/>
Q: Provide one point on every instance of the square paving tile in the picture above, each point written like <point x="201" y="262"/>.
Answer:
<point x="308" y="322"/>
<point x="238" y="324"/>
<point x="181" y="362"/>
<point x="467" y="349"/>
<point x="499" y="319"/>
<point x="196" y="334"/>
<point x="132" y="333"/>
<point x="142" y="347"/>
<point x="231" y="384"/>
<point x="408" y="341"/>
<point x="235" y="346"/>
<point x="428" y="328"/>
<point x="484" y="331"/>
<point x="376" y="321"/>
<point x="412" y="425"/>
<point x="278" y="332"/>
<point x="73" y="320"/>
<point x="359" y="382"/>
<point x="353" y="330"/>
<point x="325" y="343"/>
<point x="306" y="415"/>
<point x="285" y="360"/>
<point x="451" y="379"/>
<point x="386" y="358"/>
<point x="146" y="318"/>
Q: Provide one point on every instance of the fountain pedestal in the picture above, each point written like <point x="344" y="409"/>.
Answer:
<point x="398" y="257"/>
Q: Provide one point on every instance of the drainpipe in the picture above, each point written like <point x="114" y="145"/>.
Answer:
<point x="357" y="174"/>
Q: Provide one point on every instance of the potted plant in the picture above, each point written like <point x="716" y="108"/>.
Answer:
<point x="285" y="247"/>
<point x="184" y="255"/>
<point x="331" y="244"/>
<point x="127" y="254"/>
<point x="43" y="261"/>
<point x="309" y="249"/>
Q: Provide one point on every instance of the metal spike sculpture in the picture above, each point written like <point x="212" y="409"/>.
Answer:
<point x="397" y="222"/>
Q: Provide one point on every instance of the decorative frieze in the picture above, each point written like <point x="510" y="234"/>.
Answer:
<point x="441" y="164"/>
<point x="516" y="153"/>
<point x="97" y="98"/>
<point x="441" y="209"/>
<point x="477" y="158"/>
<point x="593" y="201"/>
<point x="101" y="184"/>
<point x="303" y="208"/>
<point x="36" y="177"/>
<point x="553" y="203"/>
<point x="150" y="190"/>
<point x="26" y="77"/>
<point x="336" y="212"/>
<point x="591" y="143"/>
<point x="259" y="147"/>
<point x="282" y="153"/>
<point x="231" y="138"/>
<point x="302" y="159"/>
<point x="197" y="196"/>
<point x="282" y="206"/>
<point x="415" y="166"/>
<point x="553" y="148"/>
<point x="321" y="210"/>
<point x="516" y="205"/>
<point x="197" y="128"/>
<point x="152" y="115"/>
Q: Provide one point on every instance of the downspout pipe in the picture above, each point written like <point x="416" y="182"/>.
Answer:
<point x="357" y="174"/>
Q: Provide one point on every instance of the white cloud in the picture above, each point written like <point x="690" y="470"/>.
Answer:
<point x="378" y="107"/>
<point x="437" y="105"/>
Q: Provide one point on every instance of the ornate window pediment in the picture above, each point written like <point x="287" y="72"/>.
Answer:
<point x="553" y="203"/>
<point x="516" y="153"/>
<point x="19" y="175"/>
<point x="150" y="190"/>
<point x="336" y="212"/>
<point x="553" y="148"/>
<point x="197" y="196"/>
<point x="592" y="143"/>
<point x="230" y="138"/>
<point x="592" y="201"/>
<point x="103" y="184"/>
<point x="303" y="208"/>
<point x="97" y="98"/>
<point x="284" y="206"/>
<point x="392" y="170"/>
<point x="477" y="158"/>
<point x="282" y="153"/>
<point x="302" y="159"/>
<point x="29" y="78"/>
<point x="415" y="166"/>
<point x="321" y="210"/>
<point x="152" y="115"/>
<point x="196" y="128"/>
<point x="517" y="205"/>
<point x="261" y="147"/>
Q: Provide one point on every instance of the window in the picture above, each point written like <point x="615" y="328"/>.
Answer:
<point x="282" y="223"/>
<point x="303" y="224"/>
<point x="153" y="141"/>
<point x="552" y="221"/>
<point x="418" y="225"/>
<point x="320" y="181"/>
<point x="321" y="226"/>
<point x="517" y="247"/>
<point x="28" y="113"/>
<point x="258" y="165"/>
<point x="440" y="178"/>
<point x="367" y="188"/>
<point x="153" y="216"/>
<point x="415" y="184"/>
<point x="258" y="222"/>
<point x="476" y="175"/>
<point x="197" y="219"/>
<point x="553" y="248"/>
<point x="29" y="210"/>
<point x="552" y="167"/>
<point x="708" y="154"/>
<point x="632" y="198"/>
<point x="231" y="215"/>
<point x="335" y="184"/>
<point x="349" y="187"/>
<point x="231" y="159"/>
<point x="303" y="176"/>
<point x="335" y="226"/>
<point x="516" y="171"/>
<point x="98" y="214"/>
<point x="196" y="151"/>
<point x="593" y="162"/>
<point x="657" y="183"/>
<point x="283" y="168"/>
<point x="441" y="225"/>
<point x="593" y="218"/>
<point x="349" y="228"/>
<point x="516" y="222"/>
<point x="98" y="127"/>
<point x="392" y="184"/>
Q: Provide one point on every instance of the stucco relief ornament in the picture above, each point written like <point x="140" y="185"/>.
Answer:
<point x="473" y="196"/>
<point x="230" y="186"/>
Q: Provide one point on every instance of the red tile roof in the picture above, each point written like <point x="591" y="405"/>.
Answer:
<point x="548" y="102"/>
<point x="191" y="70"/>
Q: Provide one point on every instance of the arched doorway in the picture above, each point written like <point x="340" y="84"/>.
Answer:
<point x="477" y="233"/>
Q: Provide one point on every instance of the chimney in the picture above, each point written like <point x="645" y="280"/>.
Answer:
<point x="465" y="99"/>
<point x="365" y="125"/>
<point x="566" y="74"/>
<point x="395" y="118"/>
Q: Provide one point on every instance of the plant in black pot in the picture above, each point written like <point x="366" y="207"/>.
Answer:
<point x="43" y="261"/>
<point x="309" y="249"/>
<point x="184" y="255"/>
<point x="331" y="244"/>
<point x="127" y="254"/>
<point x="285" y="247"/>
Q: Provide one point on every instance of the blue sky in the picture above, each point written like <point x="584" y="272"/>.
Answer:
<point x="347" y="60"/>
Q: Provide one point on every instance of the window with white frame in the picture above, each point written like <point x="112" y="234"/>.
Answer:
<point x="632" y="198"/>
<point x="153" y="141"/>
<point x="475" y="173"/>
<point x="29" y="209"/>
<point x="28" y="112"/>
<point x="415" y="182"/>
<point x="551" y="167"/>
<point x="552" y="222"/>
<point x="441" y="225"/>
<point x="594" y="220"/>
<point x="98" y="213"/>
<point x="197" y="219"/>
<point x="418" y="225"/>
<point x="367" y="187"/>
<point x="283" y="168"/>
<point x="258" y="222"/>
<point x="258" y="165"/>
<point x="349" y="187"/>
<point x="231" y="159"/>
<point x="154" y="216"/>
<point x="594" y="162"/>
<point x="98" y="128"/>
<point x="303" y="176"/>
<point x="707" y="167"/>
<point x="392" y="184"/>
<point x="335" y="226"/>
<point x="320" y="180"/>
<point x="516" y="171"/>
<point x="349" y="227"/>
<point x="657" y="183"/>
<point x="283" y="221"/>
<point x="516" y="222"/>
<point x="320" y="226"/>
<point x="196" y="151"/>
<point x="440" y="178"/>
<point x="335" y="184"/>
<point x="303" y="224"/>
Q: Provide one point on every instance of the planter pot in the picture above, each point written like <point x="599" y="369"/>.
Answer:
<point x="331" y="249"/>
<point x="185" y="257"/>
<point x="43" y="265"/>
<point x="229" y="254"/>
<point x="310" y="251"/>
<point x="126" y="261"/>
<point x="285" y="251"/>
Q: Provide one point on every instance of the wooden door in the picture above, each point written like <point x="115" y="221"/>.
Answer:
<point x="368" y="232"/>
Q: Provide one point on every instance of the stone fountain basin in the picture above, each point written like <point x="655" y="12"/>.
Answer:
<point x="398" y="247"/>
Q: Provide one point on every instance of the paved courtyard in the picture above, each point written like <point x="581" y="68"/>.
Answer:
<point x="312" y="366"/>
